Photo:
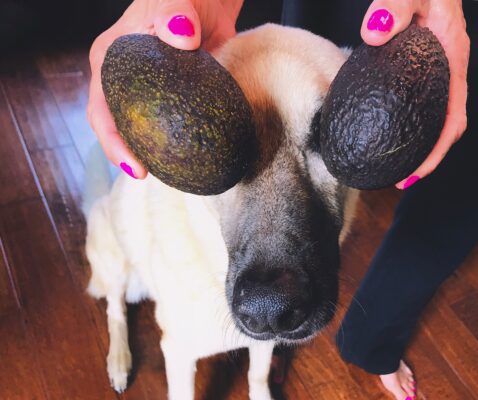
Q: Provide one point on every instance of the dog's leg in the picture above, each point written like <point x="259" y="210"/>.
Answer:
<point x="119" y="355"/>
<point x="260" y="356"/>
<point x="180" y="370"/>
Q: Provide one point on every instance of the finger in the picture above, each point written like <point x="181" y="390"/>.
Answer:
<point x="385" y="18"/>
<point x="103" y="124"/>
<point x="99" y="115"/>
<point x="455" y="123"/>
<point x="223" y="24"/>
<point x="447" y="138"/>
<point x="177" y="23"/>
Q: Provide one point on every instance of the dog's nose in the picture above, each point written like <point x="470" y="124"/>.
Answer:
<point x="271" y="301"/>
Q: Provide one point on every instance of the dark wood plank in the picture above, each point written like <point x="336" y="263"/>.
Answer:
<point x="64" y="63"/>
<point x="16" y="179"/>
<point x="34" y="107"/>
<point x="464" y="281"/>
<point x="466" y="311"/>
<point x="61" y="173"/>
<point x="351" y="376"/>
<point x="435" y="377"/>
<point x="456" y="288"/>
<point x="313" y="364"/>
<point x="67" y="75"/>
<point x="65" y="339"/>
<point x="223" y="376"/>
<point x="148" y="378"/>
<point x="294" y="388"/>
<point x="374" y="215"/>
<point x="469" y="270"/>
<point x="57" y="342"/>
<point x="457" y="345"/>
<point x="9" y="300"/>
<point x="20" y="376"/>
<point x="380" y="204"/>
<point x="21" y="379"/>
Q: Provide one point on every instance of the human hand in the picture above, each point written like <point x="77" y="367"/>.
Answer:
<point x="385" y="18"/>
<point x="184" y="24"/>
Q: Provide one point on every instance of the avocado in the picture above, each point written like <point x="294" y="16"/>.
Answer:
<point x="180" y="112"/>
<point x="385" y="110"/>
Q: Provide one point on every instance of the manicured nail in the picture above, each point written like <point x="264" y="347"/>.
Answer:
<point x="126" y="168"/>
<point x="181" y="25"/>
<point x="408" y="398"/>
<point x="381" y="20"/>
<point x="410" y="181"/>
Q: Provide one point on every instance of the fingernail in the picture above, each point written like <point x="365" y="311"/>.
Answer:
<point x="126" y="168"/>
<point x="408" y="398"/>
<point x="381" y="20"/>
<point x="181" y="25"/>
<point x="410" y="181"/>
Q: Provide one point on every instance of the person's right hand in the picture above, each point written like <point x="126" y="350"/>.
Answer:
<point x="184" y="24"/>
<point x="385" y="18"/>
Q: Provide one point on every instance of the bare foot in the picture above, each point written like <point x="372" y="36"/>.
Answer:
<point x="400" y="383"/>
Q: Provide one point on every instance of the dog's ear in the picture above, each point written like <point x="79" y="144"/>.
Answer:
<point x="314" y="139"/>
<point x="181" y="113"/>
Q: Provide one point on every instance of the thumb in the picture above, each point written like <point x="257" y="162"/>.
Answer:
<point x="177" y="23"/>
<point x="385" y="18"/>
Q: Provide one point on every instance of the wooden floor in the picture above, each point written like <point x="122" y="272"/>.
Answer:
<point x="53" y="337"/>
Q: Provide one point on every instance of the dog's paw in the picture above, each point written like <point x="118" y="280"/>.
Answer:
<point x="260" y="392"/>
<point x="119" y="365"/>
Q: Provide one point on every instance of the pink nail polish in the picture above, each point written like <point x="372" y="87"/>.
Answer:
<point x="381" y="20"/>
<point x="126" y="168"/>
<point x="181" y="25"/>
<point x="410" y="181"/>
<point x="408" y="398"/>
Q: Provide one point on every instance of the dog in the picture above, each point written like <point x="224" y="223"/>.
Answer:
<point x="252" y="267"/>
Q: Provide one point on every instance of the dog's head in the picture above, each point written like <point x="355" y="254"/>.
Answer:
<point x="282" y="222"/>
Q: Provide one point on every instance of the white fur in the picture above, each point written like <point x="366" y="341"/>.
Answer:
<point x="146" y="239"/>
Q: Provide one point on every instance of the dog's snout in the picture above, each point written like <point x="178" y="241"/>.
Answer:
<point x="274" y="301"/>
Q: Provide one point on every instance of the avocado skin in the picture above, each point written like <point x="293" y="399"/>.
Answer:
<point x="180" y="112"/>
<point x="385" y="110"/>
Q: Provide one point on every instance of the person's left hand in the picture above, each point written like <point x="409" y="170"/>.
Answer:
<point x="183" y="24"/>
<point x="385" y="18"/>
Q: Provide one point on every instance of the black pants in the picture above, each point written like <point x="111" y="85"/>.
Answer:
<point x="435" y="224"/>
<point x="434" y="228"/>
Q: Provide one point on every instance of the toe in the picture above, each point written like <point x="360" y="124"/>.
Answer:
<point x="404" y="367"/>
<point x="392" y="384"/>
<point x="408" y="389"/>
